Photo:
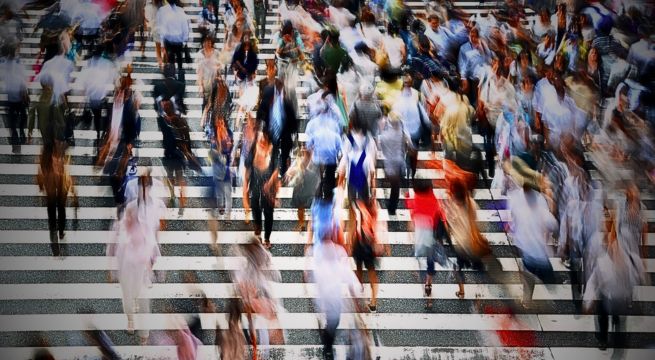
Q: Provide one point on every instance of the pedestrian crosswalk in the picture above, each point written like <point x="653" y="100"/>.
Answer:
<point x="48" y="301"/>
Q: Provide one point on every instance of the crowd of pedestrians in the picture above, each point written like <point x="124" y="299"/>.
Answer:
<point x="516" y="103"/>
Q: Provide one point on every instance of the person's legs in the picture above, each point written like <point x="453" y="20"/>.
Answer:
<point x="603" y="323"/>
<point x="285" y="150"/>
<point x="575" y="275"/>
<point x="412" y="157"/>
<point x="329" y="181"/>
<point x="488" y="135"/>
<point x="373" y="279"/>
<point x="227" y="196"/>
<point x="268" y="220"/>
<point x="170" y="52"/>
<point x="22" y="124"/>
<point x="96" y="110"/>
<point x="394" y="181"/>
<point x="51" y="204"/>
<point x="13" y="117"/>
<point x="179" y="58"/>
<point x="61" y="210"/>
<point x="332" y="317"/>
<point x="220" y="196"/>
<point x="255" y="205"/>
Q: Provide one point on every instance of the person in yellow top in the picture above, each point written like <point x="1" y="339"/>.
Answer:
<point x="388" y="90"/>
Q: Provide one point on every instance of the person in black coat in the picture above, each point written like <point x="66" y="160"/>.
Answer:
<point x="245" y="61"/>
<point x="277" y="115"/>
<point x="170" y="88"/>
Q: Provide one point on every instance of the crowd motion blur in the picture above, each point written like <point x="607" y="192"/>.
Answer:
<point x="547" y="103"/>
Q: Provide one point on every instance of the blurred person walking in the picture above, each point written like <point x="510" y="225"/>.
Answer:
<point x="173" y="26"/>
<point x="136" y="249"/>
<point x="56" y="182"/>
<point x="18" y="100"/>
<point x="261" y="184"/>
<point x="253" y="284"/>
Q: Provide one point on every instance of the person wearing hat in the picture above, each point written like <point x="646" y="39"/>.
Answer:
<point x="394" y="142"/>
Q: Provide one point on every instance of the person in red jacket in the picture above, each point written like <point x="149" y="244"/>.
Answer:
<point x="428" y="220"/>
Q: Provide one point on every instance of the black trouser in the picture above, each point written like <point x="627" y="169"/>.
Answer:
<point x="51" y="50"/>
<point x="285" y="151"/>
<point x="56" y="204"/>
<point x="331" y="324"/>
<point x="17" y="121"/>
<point x="327" y="173"/>
<point x="488" y="133"/>
<point x="577" y="280"/>
<point x="260" y="19"/>
<point x="96" y="109"/>
<point x="175" y="54"/>
<point x="603" y="324"/>
<point x="395" y="182"/>
<point x="259" y="203"/>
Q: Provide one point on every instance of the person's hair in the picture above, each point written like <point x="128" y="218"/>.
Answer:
<point x="423" y="42"/>
<point x="325" y="33"/>
<point x="393" y="29"/>
<point x="206" y="35"/>
<point x="457" y="190"/>
<point x="330" y="83"/>
<point x="367" y="16"/>
<point x="287" y="28"/>
<point x="422" y="186"/>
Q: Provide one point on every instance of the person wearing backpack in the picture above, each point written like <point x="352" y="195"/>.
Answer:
<point x="357" y="165"/>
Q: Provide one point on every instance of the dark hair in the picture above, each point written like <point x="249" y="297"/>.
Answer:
<point x="422" y="186"/>
<point x="393" y="29"/>
<point x="424" y="42"/>
<point x="287" y="28"/>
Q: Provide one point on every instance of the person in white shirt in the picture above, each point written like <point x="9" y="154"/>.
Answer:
<point x="394" y="47"/>
<point x="340" y="17"/>
<point x="95" y="77"/>
<point x="173" y="26"/>
<point x="441" y="37"/>
<point x="413" y="116"/>
<point x="531" y="224"/>
<point x="60" y="69"/>
<point x="372" y="35"/>
<point x="15" y="86"/>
